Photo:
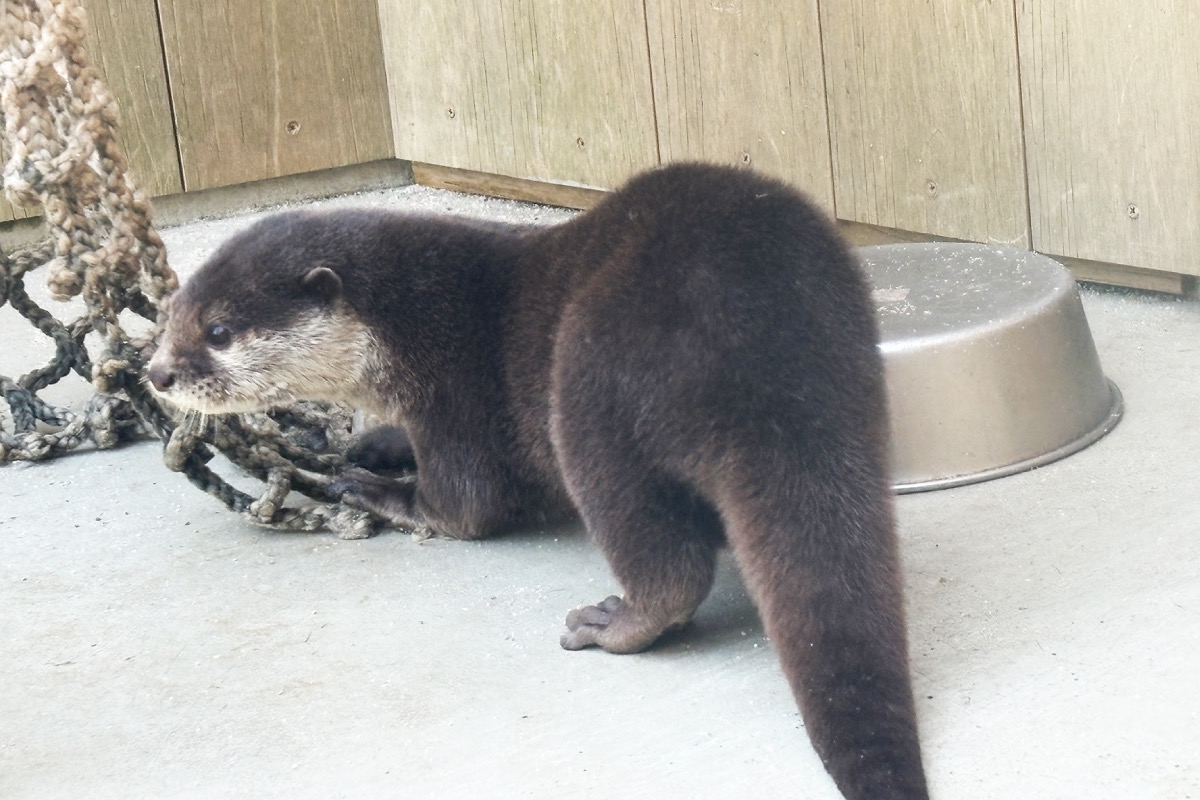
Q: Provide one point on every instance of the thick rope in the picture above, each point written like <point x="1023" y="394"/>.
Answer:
<point x="59" y="124"/>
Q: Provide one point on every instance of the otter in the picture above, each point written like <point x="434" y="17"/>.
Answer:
<point x="691" y="364"/>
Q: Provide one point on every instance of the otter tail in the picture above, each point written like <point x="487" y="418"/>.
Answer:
<point x="816" y="544"/>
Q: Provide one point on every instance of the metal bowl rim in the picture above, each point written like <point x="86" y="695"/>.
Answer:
<point x="1109" y="421"/>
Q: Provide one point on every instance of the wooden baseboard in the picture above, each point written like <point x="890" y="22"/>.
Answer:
<point x="1133" y="277"/>
<point x="859" y="234"/>
<point x="484" y="183"/>
<point x="862" y="235"/>
<point x="223" y="201"/>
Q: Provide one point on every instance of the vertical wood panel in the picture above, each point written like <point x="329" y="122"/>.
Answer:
<point x="124" y="42"/>
<point x="8" y="211"/>
<point x="925" y="115"/>
<point x="1113" y="125"/>
<point x="124" y="45"/>
<point x="275" y="87"/>
<point x="741" y="81"/>
<point x="553" y="90"/>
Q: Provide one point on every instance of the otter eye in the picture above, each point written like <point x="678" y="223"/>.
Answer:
<point x="217" y="336"/>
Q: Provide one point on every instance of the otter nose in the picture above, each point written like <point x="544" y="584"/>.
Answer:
<point x="160" y="377"/>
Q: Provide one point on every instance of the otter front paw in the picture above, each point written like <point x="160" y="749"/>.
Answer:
<point x="393" y="500"/>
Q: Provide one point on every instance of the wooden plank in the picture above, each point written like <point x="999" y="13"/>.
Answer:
<point x="536" y="89"/>
<point x="741" y="81"/>
<point x="275" y="87"/>
<point x="1112" y="97"/>
<point x="124" y="45"/>
<point x="484" y="183"/>
<point x="925" y="117"/>
<point x="124" y="42"/>
<point x="8" y="211"/>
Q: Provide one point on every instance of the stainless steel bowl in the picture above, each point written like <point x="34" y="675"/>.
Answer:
<point x="991" y="368"/>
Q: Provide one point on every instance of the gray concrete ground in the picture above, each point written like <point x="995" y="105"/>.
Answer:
<point x="155" y="646"/>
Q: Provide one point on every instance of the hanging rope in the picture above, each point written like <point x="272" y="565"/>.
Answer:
<point x="59" y="125"/>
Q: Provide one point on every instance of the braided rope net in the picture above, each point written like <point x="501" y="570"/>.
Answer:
<point x="60" y="123"/>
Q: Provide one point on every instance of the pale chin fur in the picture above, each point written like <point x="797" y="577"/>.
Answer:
<point x="208" y="406"/>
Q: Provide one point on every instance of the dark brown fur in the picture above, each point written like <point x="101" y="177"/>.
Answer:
<point x="691" y="363"/>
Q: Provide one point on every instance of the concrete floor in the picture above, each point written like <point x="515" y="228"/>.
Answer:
<point x="154" y="645"/>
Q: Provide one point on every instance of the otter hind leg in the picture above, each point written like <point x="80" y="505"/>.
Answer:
<point x="661" y="542"/>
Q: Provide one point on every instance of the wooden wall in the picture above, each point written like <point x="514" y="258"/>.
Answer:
<point x="1066" y="128"/>
<point x="123" y="41"/>
<point x="524" y="88"/>
<point x="741" y="81"/>
<point x="217" y="92"/>
<point x="1112" y="125"/>
<point x="1056" y="125"/>
<point x="274" y="87"/>
<point x="925" y="118"/>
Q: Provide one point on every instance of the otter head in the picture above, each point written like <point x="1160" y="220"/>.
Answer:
<point x="264" y="323"/>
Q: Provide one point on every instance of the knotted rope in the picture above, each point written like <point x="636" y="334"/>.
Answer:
<point x="59" y="124"/>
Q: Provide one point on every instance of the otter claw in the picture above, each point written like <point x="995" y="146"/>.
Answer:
<point x="585" y="624"/>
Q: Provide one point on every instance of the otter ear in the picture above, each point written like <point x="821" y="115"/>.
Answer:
<point x="322" y="282"/>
